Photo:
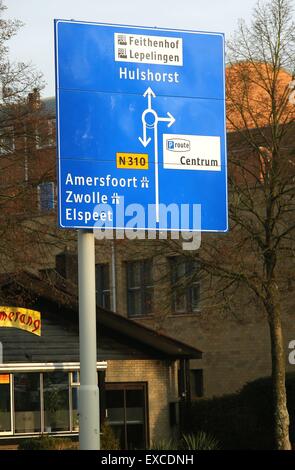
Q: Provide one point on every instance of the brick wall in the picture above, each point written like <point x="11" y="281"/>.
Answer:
<point x="235" y="345"/>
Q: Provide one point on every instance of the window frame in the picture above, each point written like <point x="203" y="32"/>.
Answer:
<point x="46" y="140"/>
<point x="124" y="387"/>
<point x="53" y="186"/>
<point x="3" y="150"/>
<point x="11" y="400"/>
<point x="42" y="368"/>
<point x="187" y="289"/>
<point x="70" y="410"/>
<point x="143" y="287"/>
<point x="193" y="377"/>
<point x="29" y="433"/>
<point x="103" y="288"/>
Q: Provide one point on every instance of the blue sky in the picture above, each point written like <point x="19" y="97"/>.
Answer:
<point x="34" y="42"/>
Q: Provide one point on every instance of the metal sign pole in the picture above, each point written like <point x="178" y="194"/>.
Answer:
<point x="89" y="434"/>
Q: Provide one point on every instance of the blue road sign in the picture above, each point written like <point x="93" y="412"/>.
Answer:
<point x="141" y="127"/>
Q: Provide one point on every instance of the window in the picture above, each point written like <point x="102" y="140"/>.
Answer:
<point x="45" y="134"/>
<point x="6" y="140"/>
<point x="185" y="285"/>
<point x="126" y="414"/>
<point x="103" y="293"/>
<point x="139" y="287"/>
<point x="75" y="384"/>
<point x="27" y="402"/>
<point x="174" y="413"/>
<point x="37" y="402"/>
<point x="51" y="132"/>
<point x="197" y="385"/>
<point x="75" y="378"/>
<point x="56" y="401"/>
<point x="46" y="196"/>
<point x="5" y="403"/>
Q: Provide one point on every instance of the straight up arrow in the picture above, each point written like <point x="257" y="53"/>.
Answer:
<point x="149" y="93"/>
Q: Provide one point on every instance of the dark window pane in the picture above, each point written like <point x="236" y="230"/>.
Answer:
<point x="134" y="274"/>
<point x="119" y="431"/>
<point x="193" y="267"/>
<point x="45" y="133"/>
<point x="134" y="302"/>
<point x="46" y="196"/>
<point x="56" y="401"/>
<point x="105" y="277"/>
<point x="27" y="402"/>
<point x="134" y="415"/>
<point x="5" y="410"/>
<point x="180" y="271"/>
<point x="197" y="387"/>
<point x="135" y="436"/>
<point x="75" y="417"/>
<point x="75" y="377"/>
<point x="134" y="397"/>
<point x="115" y="398"/>
<point x="147" y="273"/>
<point x="115" y="406"/>
<point x="6" y="140"/>
<point x="106" y="300"/>
<point x="103" y="293"/>
<point x="179" y="302"/>
<point x="139" y="287"/>
<point x="195" y="293"/>
<point x="185" y="284"/>
<point x="148" y="301"/>
<point x="173" y="413"/>
<point x="134" y="406"/>
<point x="178" y="278"/>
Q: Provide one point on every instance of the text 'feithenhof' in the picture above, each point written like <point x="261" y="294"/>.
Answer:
<point x="144" y="49"/>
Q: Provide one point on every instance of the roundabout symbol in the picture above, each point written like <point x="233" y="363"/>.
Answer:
<point x="150" y="120"/>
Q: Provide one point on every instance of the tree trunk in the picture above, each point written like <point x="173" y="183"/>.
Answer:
<point x="281" y="415"/>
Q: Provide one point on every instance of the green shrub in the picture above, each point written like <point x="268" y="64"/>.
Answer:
<point x="242" y="420"/>
<point x="47" y="443"/>
<point x="108" y="439"/>
<point x="199" y="441"/>
<point x="164" y="444"/>
<point x="108" y="442"/>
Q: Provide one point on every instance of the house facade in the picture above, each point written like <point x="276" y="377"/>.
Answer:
<point x="142" y="375"/>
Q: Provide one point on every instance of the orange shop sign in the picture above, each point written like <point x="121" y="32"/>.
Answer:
<point x="4" y="379"/>
<point x="22" y="318"/>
